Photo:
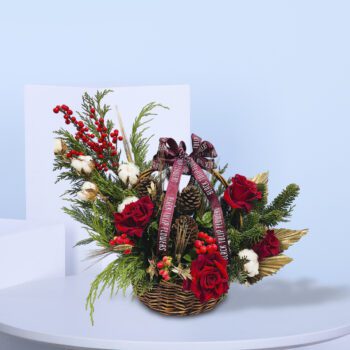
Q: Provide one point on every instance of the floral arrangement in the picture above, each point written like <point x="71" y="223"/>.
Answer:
<point x="180" y="247"/>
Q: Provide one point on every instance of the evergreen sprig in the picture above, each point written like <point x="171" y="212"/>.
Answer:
<point x="96" y="219"/>
<point x="284" y="201"/>
<point x="125" y="271"/>
<point x="236" y="270"/>
<point x="140" y="143"/>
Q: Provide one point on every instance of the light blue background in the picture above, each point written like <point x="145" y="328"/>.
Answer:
<point x="270" y="88"/>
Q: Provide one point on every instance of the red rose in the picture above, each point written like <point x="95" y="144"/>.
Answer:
<point x="135" y="217"/>
<point x="241" y="193"/>
<point x="209" y="277"/>
<point x="269" y="246"/>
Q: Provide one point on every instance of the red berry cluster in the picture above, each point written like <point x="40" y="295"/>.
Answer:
<point x="163" y="267"/>
<point x="73" y="153"/>
<point x="103" y="148"/>
<point x="205" y="244"/>
<point x="114" y="135"/>
<point x="122" y="239"/>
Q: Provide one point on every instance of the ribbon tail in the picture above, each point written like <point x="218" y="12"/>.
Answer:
<point x="169" y="206"/>
<point x="218" y="216"/>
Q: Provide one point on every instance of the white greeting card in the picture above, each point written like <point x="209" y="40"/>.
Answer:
<point x="42" y="194"/>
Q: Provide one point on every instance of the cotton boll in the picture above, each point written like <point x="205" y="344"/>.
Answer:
<point x="129" y="173"/>
<point x="248" y="254"/>
<point x="252" y="266"/>
<point x="89" y="192"/>
<point x="125" y="202"/>
<point x="83" y="164"/>
<point x="60" y="146"/>
<point x="77" y="165"/>
<point x="89" y="186"/>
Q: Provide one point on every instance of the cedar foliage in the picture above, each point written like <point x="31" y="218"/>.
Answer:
<point x="139" y="142"/>
<point x="124" y="272"/>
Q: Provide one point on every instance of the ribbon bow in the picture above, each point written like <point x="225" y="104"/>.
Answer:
<point x="172" y="154"/>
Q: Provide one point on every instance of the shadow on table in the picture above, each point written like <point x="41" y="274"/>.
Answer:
<point x="283" y="293"/>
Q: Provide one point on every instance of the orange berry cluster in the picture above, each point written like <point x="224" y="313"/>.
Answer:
<point x="205" y="244"/>
<point x="163" y="267"/>
<point x="122" y="239"/>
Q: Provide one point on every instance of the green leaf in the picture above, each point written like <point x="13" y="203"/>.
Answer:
<point x="206" y="220"/>
<point x="187" y="258"/>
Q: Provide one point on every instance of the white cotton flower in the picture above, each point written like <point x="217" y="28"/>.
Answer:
<point x="88" y="191"/>
<point x="125" y="202"/>
<point x="129" y="173"/>
<point x="252" y="266"/>
<point x="83" y="164"/>
<point x="59" y="147"/>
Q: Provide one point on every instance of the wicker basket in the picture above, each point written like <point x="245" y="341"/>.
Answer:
<point x="171" y="300"/>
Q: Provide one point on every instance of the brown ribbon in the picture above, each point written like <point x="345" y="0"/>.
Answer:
<point x="172" y="154"/>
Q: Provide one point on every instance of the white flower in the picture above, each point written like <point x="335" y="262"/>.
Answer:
<point x="83" y="164"/>
<point x="125" y="202"/>
<point x="59" y="146"/>
<point x="252" y="266"/>
<point x="88" y="192"/>
<point x="129" y="173"/>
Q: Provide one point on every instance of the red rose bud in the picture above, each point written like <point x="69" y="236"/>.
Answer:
<point x="269" y="246"/>
<point x="56" y="109"/>
<point x="241" y="193"/>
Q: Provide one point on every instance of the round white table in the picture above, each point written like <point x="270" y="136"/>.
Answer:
<point x="274" y="314"/>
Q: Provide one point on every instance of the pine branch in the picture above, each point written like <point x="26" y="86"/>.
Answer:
<point x="252" y="236"/>
<point x="140" y="143"/>
<point x="250" y="220"/>
<point x="234" y="237"/>
<point x="272" y="218"/>
<point x="236" y="270"/>
<point x="125" y="271"/>
<point x="283" y="202"/>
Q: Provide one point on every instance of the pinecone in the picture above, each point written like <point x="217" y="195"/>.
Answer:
<point x="185" y="231"/>
<point x="142" y="186"/>
<point x="189" y="200"/>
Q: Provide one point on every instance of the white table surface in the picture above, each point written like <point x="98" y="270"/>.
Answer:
<point x="273" y="314"/>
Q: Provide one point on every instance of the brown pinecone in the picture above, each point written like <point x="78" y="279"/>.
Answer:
<point x="142" y="186"/>
<point x="185" y="232"/>
<point x="189" y="200"/>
